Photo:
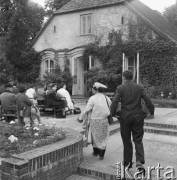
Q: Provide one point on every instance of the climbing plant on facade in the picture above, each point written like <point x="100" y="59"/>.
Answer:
<point x="157" y="56"/>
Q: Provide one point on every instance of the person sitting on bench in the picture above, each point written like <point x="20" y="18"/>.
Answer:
<point x="23" y="104"/>
<point x="35" y="113"/>
<point x="64" y="93"/>
<point x="41" y="93"/>
<point x="7" y="100"/>
<point x="52" y="99"/>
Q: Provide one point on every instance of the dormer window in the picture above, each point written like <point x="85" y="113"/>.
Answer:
<point x="86" y="24"/>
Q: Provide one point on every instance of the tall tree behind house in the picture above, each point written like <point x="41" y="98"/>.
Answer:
<point x="52" y="5"/>
<point x="171" y="14"/>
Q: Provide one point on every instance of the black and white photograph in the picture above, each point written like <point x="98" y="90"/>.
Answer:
<point x="88" y="89"/>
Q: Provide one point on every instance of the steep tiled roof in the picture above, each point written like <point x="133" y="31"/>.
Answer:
<point x="154" y="19"/>
<point x="75" y="5"/>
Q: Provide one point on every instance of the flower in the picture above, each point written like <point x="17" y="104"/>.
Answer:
<point x="12" y="122"/>
<point x="12" y="138"/>
<point x="54" y="124"/>
<point x="36" y="134"/>
<point x="35" y="142"/>
<point x="36" y="128"/>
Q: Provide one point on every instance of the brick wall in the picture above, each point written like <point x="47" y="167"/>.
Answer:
<point x="51" y="162"/>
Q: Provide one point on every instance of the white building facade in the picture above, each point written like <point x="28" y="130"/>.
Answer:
<point x="71" y="28"/>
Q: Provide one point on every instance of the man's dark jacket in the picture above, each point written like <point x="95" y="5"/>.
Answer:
<point x="130" y="95"/>
<point x="8" y="100"/>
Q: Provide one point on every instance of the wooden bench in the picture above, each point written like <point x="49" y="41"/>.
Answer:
<point x="58" y="111"/>
<point x="5" y="114"/>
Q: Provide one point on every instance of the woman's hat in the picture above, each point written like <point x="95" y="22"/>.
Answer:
<point x="98" y="85"/>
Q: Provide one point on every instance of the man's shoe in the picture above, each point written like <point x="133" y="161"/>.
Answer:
<point x="128" y="165"/>
<point x="140" y="167"/>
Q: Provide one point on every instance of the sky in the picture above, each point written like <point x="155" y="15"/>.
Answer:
<point x="158" y="5"/>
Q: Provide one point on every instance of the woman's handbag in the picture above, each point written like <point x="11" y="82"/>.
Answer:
<point x="110" y="118"/>
<point x="77" y="110"/>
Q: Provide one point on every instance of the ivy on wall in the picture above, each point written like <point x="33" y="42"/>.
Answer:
<point x="157" y="60"/>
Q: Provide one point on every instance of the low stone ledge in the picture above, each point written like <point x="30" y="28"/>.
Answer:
<point x="54" y="161"/>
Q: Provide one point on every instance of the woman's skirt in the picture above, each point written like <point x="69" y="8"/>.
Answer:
<point x="99" y="132"/>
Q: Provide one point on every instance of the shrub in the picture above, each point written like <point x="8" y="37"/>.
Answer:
<point x="168" y="103"/>
<point x="59" y="76"/>
<point x="108" y="77"/>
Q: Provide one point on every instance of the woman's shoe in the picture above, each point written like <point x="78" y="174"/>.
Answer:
<point x="95" y="151"/>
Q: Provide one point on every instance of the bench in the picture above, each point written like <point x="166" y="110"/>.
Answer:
<point x="58" y="111"/>
<point x="5" y="115"/>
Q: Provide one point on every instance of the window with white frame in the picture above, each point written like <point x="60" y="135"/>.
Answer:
<point x="131" y="65"/>
<point x="49" y="66"/>
<point x="86" y="24"/>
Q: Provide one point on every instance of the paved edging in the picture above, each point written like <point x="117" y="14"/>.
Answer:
<point x="163" y="131"/>
<point x="79" y="177"/>
<point x="160" y="125"/>
<point x="106" y="173"/>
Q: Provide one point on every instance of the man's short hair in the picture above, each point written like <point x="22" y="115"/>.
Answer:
<point x="128" y="75"/>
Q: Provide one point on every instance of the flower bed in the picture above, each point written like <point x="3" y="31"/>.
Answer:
<point x="15" y="139"/>
<point x="50" y="162"/>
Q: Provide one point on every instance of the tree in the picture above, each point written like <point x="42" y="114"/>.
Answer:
<point x="53" y="5"/>
<point x="20" y="21"/>
<point x="171" y="14"/>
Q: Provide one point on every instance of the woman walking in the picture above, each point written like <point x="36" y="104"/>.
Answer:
<point x="98" y="105"/>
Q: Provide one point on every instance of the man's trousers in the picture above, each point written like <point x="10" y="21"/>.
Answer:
<point x="132" y="126"/>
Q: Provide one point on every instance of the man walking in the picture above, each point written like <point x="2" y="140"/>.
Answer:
<point x="132" y="117"/>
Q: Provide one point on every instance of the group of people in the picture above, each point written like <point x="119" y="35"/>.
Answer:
<point x="95" y="116"/>
<point x="53" y="96"/>
<point x="131" y="116"/>
<point x="23" y="101"/>
<point x="20" y="101"/>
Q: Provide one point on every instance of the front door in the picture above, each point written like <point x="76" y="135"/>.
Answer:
<point x="78" y="79"/>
